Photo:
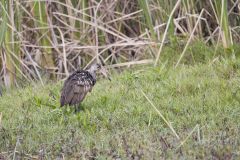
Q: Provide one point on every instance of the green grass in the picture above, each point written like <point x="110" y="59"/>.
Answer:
<point x="118" y="122"/>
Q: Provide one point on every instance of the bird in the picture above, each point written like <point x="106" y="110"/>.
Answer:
<point x="78" y="84"/>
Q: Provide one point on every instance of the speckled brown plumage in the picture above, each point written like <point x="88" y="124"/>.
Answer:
<point x="78" y="84"/>
<point x="76" y="87"/>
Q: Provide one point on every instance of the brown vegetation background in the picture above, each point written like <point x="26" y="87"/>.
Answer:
<point x="51" y="38"/>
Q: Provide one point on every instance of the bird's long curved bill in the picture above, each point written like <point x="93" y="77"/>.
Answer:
<point x="105" y="73"/>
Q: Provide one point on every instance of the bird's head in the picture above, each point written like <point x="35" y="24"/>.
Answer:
<point x="98" y="67"/>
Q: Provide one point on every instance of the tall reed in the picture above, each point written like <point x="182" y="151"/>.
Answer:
<point x="40" y="38"/>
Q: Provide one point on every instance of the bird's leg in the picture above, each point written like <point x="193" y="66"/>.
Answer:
<point x="75" y="108"/>
<point x="78" y="108"/>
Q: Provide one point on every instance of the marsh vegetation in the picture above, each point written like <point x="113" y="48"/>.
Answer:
<point x="177" y="95"/>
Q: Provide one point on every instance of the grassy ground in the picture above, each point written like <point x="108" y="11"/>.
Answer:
<point x="200" y="102"/>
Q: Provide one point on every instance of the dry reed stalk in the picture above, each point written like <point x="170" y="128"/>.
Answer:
<point x="64" y="53"/>
<point x="190" y="38"/>
<point x="94" y="25"/>
<point x="147" y="61"/>
<point x="161" y="115"/>
<point x="166" y="30"/>
<point x="196" y="128"/>
<point x="96" y="30"/>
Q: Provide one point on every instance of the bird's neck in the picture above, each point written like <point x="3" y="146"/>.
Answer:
<point x="92" y="73"/>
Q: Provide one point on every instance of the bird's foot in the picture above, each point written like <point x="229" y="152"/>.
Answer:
<point x="77" y="108"/>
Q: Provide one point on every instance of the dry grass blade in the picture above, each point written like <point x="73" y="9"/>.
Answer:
<point x="34" y="64"/>
<point x="147" y="61"/>
<point x="96" y="30"/>
<point x="182" y="143"/>
<point x="166" y="31"/>
<point x="64" y="53"/>
<point x="124" y="17"/>
<point x="117" y="44"/>
<point x="160" y="114"/>
<point x="190" y="38"/>
<point x="94" y="25"/>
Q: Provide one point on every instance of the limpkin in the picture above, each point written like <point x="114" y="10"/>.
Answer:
<point x="78" y="84"/>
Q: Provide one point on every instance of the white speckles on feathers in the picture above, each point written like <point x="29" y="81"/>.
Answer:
<point x="76" y="87"/>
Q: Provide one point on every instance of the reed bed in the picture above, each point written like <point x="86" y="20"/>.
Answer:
<point x="49" y="38"/>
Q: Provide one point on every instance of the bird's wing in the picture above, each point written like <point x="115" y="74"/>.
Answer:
<point x="80" y="91"/>
<point x="66" y="93"/>
<point x="74" y="91"/>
